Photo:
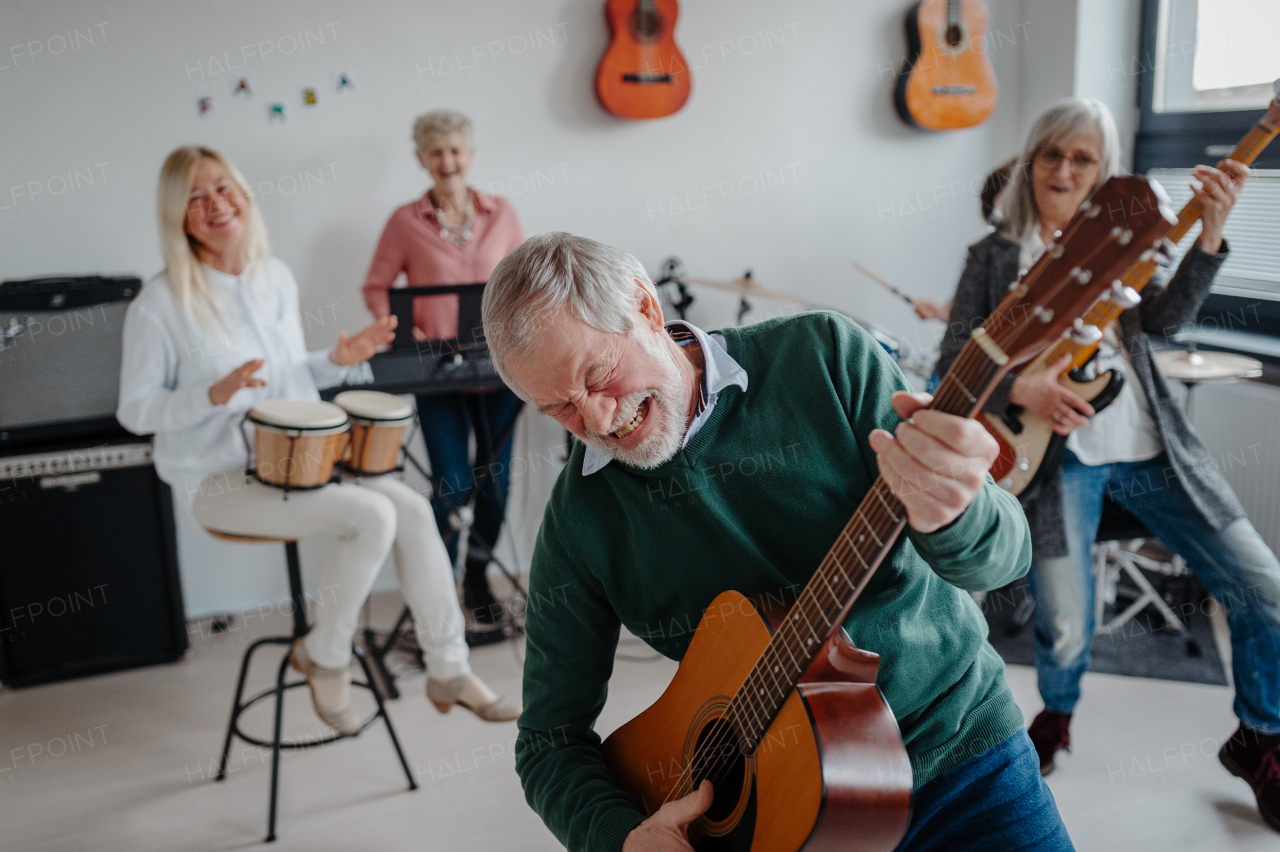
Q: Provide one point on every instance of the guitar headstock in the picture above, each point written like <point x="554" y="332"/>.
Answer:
<point x="1122" y="222"/>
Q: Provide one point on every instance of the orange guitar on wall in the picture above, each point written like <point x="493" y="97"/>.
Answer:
<point x="947" y="81"/>
<point x="642" y="74"/>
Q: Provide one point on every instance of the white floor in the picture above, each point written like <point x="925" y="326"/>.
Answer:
<point x="123" y="762"/>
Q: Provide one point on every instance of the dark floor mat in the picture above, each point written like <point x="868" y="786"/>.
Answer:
<point x="1144" y="647"/>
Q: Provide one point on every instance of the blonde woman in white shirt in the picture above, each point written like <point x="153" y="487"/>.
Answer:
<point x="218" y="331"/>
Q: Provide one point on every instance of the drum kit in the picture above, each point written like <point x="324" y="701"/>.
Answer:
<point x="911" y="359"/>
<point x="301" y="444"/>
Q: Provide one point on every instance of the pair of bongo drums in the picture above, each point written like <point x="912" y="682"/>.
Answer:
<point x="301" y="442"/>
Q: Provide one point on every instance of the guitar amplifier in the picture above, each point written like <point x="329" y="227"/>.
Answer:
<point x="89" y="577"/>
<point x="60" y="351"/>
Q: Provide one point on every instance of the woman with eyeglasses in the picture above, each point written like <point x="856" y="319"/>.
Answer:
<point x="1141" y="450"/>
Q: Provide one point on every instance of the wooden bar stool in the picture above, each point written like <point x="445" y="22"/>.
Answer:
<point x="240" y="704"/>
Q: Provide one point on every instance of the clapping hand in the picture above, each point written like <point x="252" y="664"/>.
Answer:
<point x="241" y="377"/>
<point x="360" y="347"/>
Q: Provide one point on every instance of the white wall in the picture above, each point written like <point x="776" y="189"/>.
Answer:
<point x="788" y="158"/>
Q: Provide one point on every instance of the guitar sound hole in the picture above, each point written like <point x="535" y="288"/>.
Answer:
<point x="720" y="761"/>
<point x="646" y="25"/>
<point x="954" y="36"/>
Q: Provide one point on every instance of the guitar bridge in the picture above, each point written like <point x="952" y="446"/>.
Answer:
<point x="955" y="90"/>
<point x="647" y="78"/>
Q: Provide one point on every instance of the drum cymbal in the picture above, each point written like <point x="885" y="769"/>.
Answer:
<point x="747" y="287"/>
<point x="1202" y="366"/>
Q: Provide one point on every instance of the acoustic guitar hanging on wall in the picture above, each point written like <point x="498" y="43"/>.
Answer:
<point x="643" y="74"/>
<point x="947" y="81"/>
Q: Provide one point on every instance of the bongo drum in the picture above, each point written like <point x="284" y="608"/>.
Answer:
<point x="378" y="421"/>
<point x="298" y="441"/>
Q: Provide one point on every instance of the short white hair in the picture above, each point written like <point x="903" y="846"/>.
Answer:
<point x="551" y="272"/>
<point x="1064" y="120"/>
<point x="441" y="122"/>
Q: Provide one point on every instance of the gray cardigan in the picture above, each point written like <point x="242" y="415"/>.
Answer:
<point x="992" y="266"/>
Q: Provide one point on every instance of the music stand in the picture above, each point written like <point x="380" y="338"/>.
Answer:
<point x="470" y="327"/>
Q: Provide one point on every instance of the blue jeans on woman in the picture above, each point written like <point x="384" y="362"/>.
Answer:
<point x="448" y="421"/>
<point x="1234" y="564"/>
<point x="996" y="800"/>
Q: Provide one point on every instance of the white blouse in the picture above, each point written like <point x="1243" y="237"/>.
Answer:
<point x="1124" y="431"/>
<point x="170" y="361"/>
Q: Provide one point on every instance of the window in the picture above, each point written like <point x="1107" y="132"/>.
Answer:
<point x="1215" y="55"/>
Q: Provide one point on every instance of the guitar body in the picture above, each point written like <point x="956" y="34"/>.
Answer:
<point x="642" y="74"/>
<point x="1029" y="448"/>
<point x="947" y="81"/>
<point x="831" y="772"/>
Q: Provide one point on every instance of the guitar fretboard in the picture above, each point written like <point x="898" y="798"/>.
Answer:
<point x="861" y="546"/>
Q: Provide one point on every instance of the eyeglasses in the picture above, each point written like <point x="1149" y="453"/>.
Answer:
<point x="1050" y="158"/>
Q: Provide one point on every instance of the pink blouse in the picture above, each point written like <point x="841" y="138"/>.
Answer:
<point x="411" y="243"/>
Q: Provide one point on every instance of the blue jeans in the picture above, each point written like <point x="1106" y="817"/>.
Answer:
<point x="1234" y="564"/>
<point x="448" y="421"/>
<point x="996" y="800"/>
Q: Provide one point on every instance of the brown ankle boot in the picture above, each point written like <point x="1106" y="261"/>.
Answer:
<point x="1050" y="733"/>
<point x="1255" y="757"/>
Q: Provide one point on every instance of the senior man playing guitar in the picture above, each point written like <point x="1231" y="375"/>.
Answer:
<point x="730" y="461"/>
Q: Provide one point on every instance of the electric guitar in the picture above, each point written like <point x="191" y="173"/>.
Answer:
<point x="642" y="74"/>
<point x="947" y="81"/>
<point x="1030" y="451"/>
<point x="775" y="706"/>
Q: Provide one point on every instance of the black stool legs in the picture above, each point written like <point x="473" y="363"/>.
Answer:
<point x="277" y="743"/>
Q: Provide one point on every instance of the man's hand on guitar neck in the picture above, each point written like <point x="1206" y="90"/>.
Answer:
<point x="935" y="463"/>
<point x="668" y="829"/>
<point x="1041" y="394"/>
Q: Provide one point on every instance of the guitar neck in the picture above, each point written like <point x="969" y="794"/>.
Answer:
<point x="859" y="550"/>
<point x="1105" y="311"/>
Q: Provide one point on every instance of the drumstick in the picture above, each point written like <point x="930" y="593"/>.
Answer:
<point x="892" y="289"/>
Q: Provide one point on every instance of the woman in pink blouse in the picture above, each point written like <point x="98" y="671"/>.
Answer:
<point x="454" y="234"/>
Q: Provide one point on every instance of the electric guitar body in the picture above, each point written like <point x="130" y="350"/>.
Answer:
<point x="796" y="790"/>
<point x="947" y="81"/>
<point x="643" y="74"/>
<point x="1029" y="448"/>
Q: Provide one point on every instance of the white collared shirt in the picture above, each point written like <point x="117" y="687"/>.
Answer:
<point x="719" y="371"/>
<point x="170" y="362"/>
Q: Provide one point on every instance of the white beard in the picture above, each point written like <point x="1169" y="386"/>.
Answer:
<point x="668" y="434"/>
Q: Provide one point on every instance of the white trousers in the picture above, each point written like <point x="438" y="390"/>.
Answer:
<point x="366" y="518"/>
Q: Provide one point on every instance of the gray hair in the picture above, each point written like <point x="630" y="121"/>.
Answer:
<point x="440" y="122"/>
<point x="550" y="272"/>
<point x="1064" y="120"/>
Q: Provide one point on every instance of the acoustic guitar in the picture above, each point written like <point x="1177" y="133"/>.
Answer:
<point x="1030" y="451"/>
<point x="642" y="74"/>
<point x="774" y="705"/>
<point x="947" y="81"/>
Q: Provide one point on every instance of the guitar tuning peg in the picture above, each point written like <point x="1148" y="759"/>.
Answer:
<point x="1125" y="297"/>
<point x="1122" y="235"/>
<point x="1085" y="335"/>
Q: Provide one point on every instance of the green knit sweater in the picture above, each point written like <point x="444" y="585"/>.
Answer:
<point x="752" y="504"/>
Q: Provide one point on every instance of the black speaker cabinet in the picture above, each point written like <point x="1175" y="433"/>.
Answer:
<point x="60" y="347"/>
<point x="89" y="567"/>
